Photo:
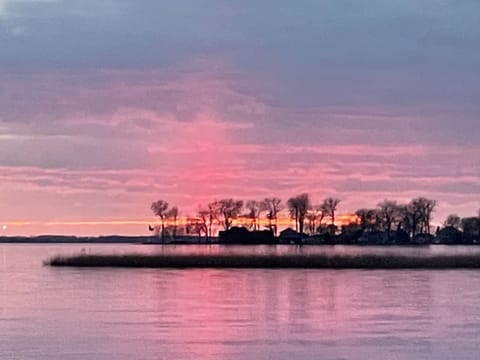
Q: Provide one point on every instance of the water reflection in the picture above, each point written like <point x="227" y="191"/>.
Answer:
<point x="101" y="314"/>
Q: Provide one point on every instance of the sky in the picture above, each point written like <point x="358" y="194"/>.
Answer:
<point x="107" y="106"/>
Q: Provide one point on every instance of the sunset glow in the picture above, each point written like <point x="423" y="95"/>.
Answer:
<point x="132" y="226"/>
<point x="89" y="138"/>
<point x="231" y="180"/>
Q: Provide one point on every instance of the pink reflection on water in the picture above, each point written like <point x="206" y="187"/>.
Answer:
<point x="231" y="314"/>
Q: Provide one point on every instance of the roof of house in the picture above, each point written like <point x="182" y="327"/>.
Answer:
<point x="289" y="231"/>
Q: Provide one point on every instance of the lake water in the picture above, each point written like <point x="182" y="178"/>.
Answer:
<point x="69" y="313"/>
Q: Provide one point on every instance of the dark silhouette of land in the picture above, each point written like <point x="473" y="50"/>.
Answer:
<point x="389" y="223"/>
<point x="270" y="261"/>
<point x="52" y="239"/>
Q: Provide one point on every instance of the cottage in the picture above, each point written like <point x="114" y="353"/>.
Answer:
<point x="449" y="235"/>
<point x="290" y="236"/>
<point x="241" y="235"/>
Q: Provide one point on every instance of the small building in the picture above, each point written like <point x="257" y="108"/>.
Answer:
<point x="449" y="235"/>
<point x="241" y="235"/>
<point x="290" y="236"/>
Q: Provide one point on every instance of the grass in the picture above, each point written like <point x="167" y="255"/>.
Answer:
<point x="318" y="261"/>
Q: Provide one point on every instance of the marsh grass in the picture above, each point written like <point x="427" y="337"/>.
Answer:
<point x="269" y="261"/>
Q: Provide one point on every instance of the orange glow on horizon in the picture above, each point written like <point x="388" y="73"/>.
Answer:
<point x="283" y="221"/>
<point x="17" y="223"/>
<point x="347" y="219"/>
<point x="139" y="226"/>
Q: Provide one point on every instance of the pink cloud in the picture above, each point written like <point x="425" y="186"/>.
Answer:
<point x="106" y="149"/>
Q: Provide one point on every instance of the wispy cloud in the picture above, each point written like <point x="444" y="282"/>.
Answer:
<point x="106" y="106"/>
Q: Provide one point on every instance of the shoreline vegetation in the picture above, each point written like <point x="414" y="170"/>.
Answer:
<point x="256" y="222"/>
<point x="268" y="261"/>
<point x="259" y="221"/>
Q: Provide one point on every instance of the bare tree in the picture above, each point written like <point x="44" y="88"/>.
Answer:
<point x="196" y="226"/>
<point x="329" y="207"/>
<point x="369" y="218"/>
<point x="172" y="215"/>
<point x="314" y="218"/>
<point x="411" y="218"/>
<point x="254" y="209"/>
<point x="212" y="216"/>
<point x="425" y="208"/>
<point x="362" y="215"/>
<point x="390" y="214"/>
<point x="227" y="210"/>
<point x="428" y="209"/>
<point x="453" y="220"/>
<point x="159" y="208"/>
<point x="272" y="206"/>
<point x="417" y="215"/>
<point x="298" y="207"/>
<point x="206" y="219"/>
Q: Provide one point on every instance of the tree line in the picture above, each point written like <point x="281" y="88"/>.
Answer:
<point x="389" y="216"/>
<point x="221" y="213"/>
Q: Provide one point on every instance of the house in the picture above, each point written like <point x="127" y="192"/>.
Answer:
<point x="449" y="235"/>
<point x="241" y="235"/>
<point x="290" y="236"/>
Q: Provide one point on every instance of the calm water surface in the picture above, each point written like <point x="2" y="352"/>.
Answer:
<point x="68" y="313"/>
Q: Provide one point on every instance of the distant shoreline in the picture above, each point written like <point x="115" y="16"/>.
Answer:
<point x="105" y="239"/>
<point x="182" y="240"/>
<point x="60" y="239"/>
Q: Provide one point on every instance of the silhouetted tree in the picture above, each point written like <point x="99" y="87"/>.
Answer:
<point x="159" y="208"/>
<point x="197" y="226"/>
<point x="172" y="214"/>
<point x="410" y="219"/>
<point x="212" y="217"/>
<point x="206" y="220"/>
<point x="417" y="215"/>
<point x="426" y="206"/>
<point x="390" y="214"/>
<point x="369" y="218"/>
<point x="272" y="206"/>
<point x="227" y="210"/>
<point x="254" y="209"/>
<point x="314" y="218"/>
<point x="298" y="207"/>
<point x="453" y="220"/>
<point x="329" y="207"/>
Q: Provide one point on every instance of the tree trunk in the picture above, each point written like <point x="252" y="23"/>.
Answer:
<point x="163" y="230"/>
<point x="175" y="227"/>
